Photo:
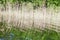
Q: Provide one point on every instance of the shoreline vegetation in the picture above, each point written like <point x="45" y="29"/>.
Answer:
<point x="34" y="3"/>
<point x="29" y="19"/>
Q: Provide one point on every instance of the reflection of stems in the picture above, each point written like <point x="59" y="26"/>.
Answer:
<point x="21" y="15"/>
<point x="33" y="19"/>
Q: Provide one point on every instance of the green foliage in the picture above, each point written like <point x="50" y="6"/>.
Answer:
<point x="53" y="2"/>
<point x="35" y="3"/>
<point x="50" y="35"/>
<point x="17" y="34"/>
